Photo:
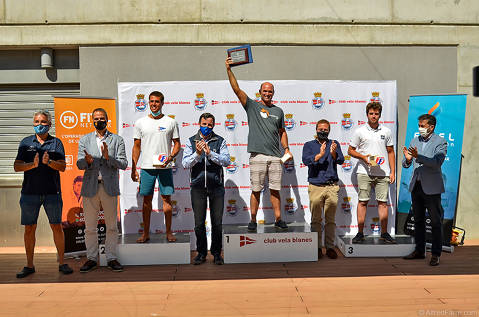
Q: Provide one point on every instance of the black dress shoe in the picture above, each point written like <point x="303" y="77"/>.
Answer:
<point x="199" y="258"/>
<point x="115" y="266"/>
<point x="218" y="259"/>
<point x="25" y="272"/>
<point x="331" y="253"/>
<point x="415" y="255"/>
<point x="89" y="265"/>
<point x="65" y="269"/>
<point x="434" y="260"/>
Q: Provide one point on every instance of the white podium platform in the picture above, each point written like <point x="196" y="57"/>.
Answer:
<point x="374" y="247"/>
<point x="268" y="244"/>
<point x="156" y="251"/>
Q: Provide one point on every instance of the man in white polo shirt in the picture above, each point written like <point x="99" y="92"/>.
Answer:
<point x="372" y="145"/>
<point x="153" y="137"/>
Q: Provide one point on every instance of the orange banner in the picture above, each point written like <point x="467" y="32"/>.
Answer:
<point x="72" y="121"/>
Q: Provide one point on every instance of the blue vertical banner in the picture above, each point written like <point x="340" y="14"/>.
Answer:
<point x="450" y="111"/>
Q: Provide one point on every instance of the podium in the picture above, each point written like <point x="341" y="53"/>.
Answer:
<point x="156" y="251"/>
<point x="372" y="246"/>
<point x="269" y="244"/>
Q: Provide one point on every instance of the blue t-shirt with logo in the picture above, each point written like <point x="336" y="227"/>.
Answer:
<point x="42" y="180"/>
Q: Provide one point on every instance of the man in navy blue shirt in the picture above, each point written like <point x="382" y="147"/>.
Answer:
<point x="322" y="156"/>
<point x="41" y="157"/>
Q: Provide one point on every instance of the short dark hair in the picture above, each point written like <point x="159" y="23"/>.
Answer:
<point x="323" y="121"/>
<point x="207" y="115"/>
<point x="431" y="120"/>
<point x="100" y="110"/>
<point x="77" y="179"/>
<point x="157" y="94"/>
<point x="374" y="106"/>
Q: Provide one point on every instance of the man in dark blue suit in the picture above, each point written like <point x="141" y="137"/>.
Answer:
<point x="426" y="153"/>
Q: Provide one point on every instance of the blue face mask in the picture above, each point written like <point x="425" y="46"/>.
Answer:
<point x="41" y="129"/>
<point x="206" y="130"/>
<point x="155" y="114"/>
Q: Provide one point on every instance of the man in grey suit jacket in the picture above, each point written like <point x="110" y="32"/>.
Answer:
<point x="101" y="153"/>
<point x="426" y="153"/>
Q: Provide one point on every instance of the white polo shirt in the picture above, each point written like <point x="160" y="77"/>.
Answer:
<point x="371" y="141"/>
<point x="156" y="136"/>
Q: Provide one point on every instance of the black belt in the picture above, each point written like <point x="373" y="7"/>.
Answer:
<point x="327" y="183"/>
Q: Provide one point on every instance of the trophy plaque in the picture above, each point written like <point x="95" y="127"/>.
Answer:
<point x="240" y="55"/>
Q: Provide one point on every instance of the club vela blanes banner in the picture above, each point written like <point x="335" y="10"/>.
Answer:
<point x="343" y="103"/>
<point x="450" y="111"/>
<point x="72" y="121"/>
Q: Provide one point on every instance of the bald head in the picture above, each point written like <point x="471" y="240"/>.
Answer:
<point x="268" y="84"/>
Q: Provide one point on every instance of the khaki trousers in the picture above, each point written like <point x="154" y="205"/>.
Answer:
<point x="324" y="198"/>
<point x="91" y="208"/>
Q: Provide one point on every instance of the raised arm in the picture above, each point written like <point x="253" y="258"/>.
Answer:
<point x="234" y="84"/>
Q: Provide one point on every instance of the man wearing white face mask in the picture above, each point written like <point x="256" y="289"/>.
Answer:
<point x="426" y="153"/>
<point x="41" y="157"/>
<point x="153" y="137"/>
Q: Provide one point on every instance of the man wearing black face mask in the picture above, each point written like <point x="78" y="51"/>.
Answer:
<point x="322" y="157"/>
<point x="101" y="153"/>
<point x="206" y="154"/>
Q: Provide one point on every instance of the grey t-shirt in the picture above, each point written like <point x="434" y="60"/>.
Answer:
<point x="264" y="124"/>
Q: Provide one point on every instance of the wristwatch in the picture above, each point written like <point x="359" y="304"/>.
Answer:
<point x="49" y="161"/>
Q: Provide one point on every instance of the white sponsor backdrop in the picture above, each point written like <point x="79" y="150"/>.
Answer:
<point x="304" y="102"/>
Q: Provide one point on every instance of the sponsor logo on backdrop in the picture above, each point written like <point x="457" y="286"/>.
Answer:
<point x="126" y="125"/>
<point x="214" y="102"/>
<point x="244" y="240"/>
<point x="290" y="207"/>
<point x="140" y="103"/>
<point x="200" y="102"/>
<point x="172" y="116"/>
<point x="375" y="97"/>
<point x="346" y="122"/>
<point x="174" y="208"/>
<point x="231" y="208"/>
<point x="360" y="122"/>
<point x="230" y="122"/>
<point x="375" y="225"/>
<point x="346" y="204"/>
<point x="244" y="123"/>
<point x="289" y="166"/>
<point x="347" y="166"/>
<point x="331" y="101"/>
<point x="185" y="124"/>
<point x="68" y="119"/>
<point x="258" y="97"/>
<point x="318" y="101"/>
<point x="232" y="167"/>
<point x="289" y="122"/>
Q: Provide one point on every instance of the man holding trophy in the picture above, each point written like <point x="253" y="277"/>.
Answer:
<point x="372" y="144"/>
<point x="266" y="132"/>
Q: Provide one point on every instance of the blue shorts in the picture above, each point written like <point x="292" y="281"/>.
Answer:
<point x="148" y="178"/>
<point x="30" y="205"/>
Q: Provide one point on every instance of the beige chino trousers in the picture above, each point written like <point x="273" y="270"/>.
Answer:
<point x="324" y="199"/>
